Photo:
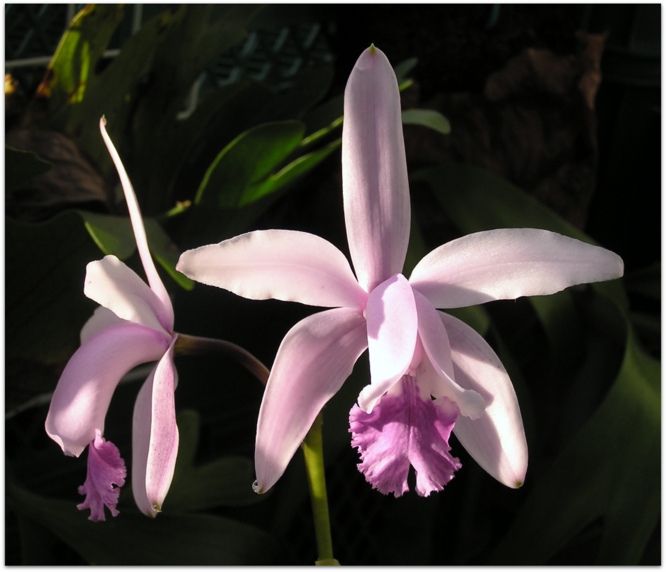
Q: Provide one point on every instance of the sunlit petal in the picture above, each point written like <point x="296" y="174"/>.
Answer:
<point x="313" y="361"/>
<point x="374" y="171"/>
<point x="497" y="439"/>
<point x="392" y="332"/>
<point x="438" y="350"/>
<point x="156" y="285"/>
<point x="279" y="264"/>
<point x="112" y="284"/>
<point x="155" y="436"/>
<point x="509" y="263"/>
<point x="84" y="391"/>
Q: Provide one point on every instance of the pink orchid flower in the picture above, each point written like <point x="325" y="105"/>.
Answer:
<point x="430" y="372"/>
<point x="133" y="325"/>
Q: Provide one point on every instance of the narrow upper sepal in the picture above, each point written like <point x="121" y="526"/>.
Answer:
<point x="374" y="171"/>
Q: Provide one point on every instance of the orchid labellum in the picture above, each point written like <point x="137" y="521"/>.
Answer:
<point x="134" y="325"/>
<point x="430" y="372"/>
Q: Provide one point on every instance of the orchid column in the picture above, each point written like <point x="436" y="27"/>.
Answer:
<point x="430" y="373"/>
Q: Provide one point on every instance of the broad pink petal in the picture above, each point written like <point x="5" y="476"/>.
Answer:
<point x="155" y="436"/>
<point x="509" y="263"/>
<point x="280" y="264"/>
<point x="374" y="171"/>
<point x="82" y="396"/>
<point x="405" y="429"/>
<point x="156" y="284"/>
<point x="100" y="320"/>
<point x="112" y="284"/>
<point x="438" y="349"/>
<point x="497" y="439"/>
<point x="392" y="333"/>
<point x="106" y="474"/>
<point x="313" y="361"/>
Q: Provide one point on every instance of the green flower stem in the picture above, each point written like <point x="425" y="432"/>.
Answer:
<point x="194" y="345"/>
<point x="313" y="450"/>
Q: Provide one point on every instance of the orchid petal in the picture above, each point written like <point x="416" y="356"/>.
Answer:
<point x="509" y="263"/>
<point x="405" y="428"/>
<point x="84" y="391"/>
<point x="437" y="347"/>
<point x="496" y="440"/>
<point x="106" y="475"/>
<point x="156" y="285"/>
<point x="112" y="284"/>
<point x="155" y="436"/>
<point x="313" y="361"/>
<point x="280" y="264"/>
<point x="101" y="319"/>
<point x="392" y="334"/>
<point x="374" y="171"/>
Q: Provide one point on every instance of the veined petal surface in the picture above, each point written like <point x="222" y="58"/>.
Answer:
<point x="280" y="264"/>
<point x="392" y="333"/>
<point x="114" y="285"/>
<point x="374" y="171"/>
<point x="315" y="358"/>
<point x="508" y="263"/>
<point x="496" y="440"/>
<point x="82" y="396"/>
<point x="156" y="284"/>
<point x="155" y="436"/>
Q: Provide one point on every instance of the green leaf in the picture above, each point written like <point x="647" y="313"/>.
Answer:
<point x="21" y="167"/>
<point x="135" y="539"/>
<point x="224" y="482"/>
<point x="81" y="47"/>
<point x="114" y="235"/>
<point x="427" y="118"/>
<point x="247" y="161"/>
<point x="288" y="174"/>
<point x="610" y="471"/>
<point x="403" y="68"/>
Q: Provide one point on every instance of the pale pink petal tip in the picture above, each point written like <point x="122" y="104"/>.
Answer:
<point x="106" y="474"/>
<point x="405" y="429"/>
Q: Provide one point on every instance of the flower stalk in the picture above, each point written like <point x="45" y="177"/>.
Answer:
<point x="195" y="345"/>
<point x="313" y="451"/>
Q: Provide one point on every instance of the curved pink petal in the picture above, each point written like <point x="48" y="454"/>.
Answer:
<point x="279" y="264"/>
<point x="313" y="361"/>
<point x="509" y="263"/>
<point x="156" y="285"/>
<point x="392" y="332"/>
<point x="374" y="171"/>
<point x="497" y="439"/>
<point x="84" y="391"/>
<point x="155" y="436"/>
<point x="438" y="349"/>
<point x="114" y="285"/>
<point x="100" y="320"/>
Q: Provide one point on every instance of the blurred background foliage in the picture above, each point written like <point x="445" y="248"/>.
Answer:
<point x="228" y="119"/>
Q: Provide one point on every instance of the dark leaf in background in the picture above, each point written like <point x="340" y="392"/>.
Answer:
<point x="21" y="167"/>
<point x="135" y="539"/>
<point x="72" y="180"/>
